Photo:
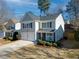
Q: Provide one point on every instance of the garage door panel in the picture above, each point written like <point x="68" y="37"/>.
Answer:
<point x="29" y="36"/>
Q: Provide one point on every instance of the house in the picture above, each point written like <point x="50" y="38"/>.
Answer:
<point x="69" y="28"/>
<point x="75" y="24"/>
<point x="12" y="26"/>
<point x="2" y="33"/>
<point x="9" y="27"/>
<point x="44" y="27"/>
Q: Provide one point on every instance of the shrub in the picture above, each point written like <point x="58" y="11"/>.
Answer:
<point x="5" y="38"/>
<point x="8" y="38"/>
<point x="54" y="44"/>
<point x="16" y="36"/>
<point x="65" y="38"/>
<point x="38" y="42"/>
<point x="48" y="44"/>
<point x="76" y="35"/>
<point x="58" y="43"/>
<point x="41" y="42"/>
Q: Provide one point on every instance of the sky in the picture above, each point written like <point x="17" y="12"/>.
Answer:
<point x="20" y="7"/>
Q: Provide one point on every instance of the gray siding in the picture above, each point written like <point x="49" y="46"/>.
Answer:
<point x="59" y="34"/>
<point x="1" y="34"/>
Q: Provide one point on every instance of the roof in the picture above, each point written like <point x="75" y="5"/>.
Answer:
<point x="49" y="17"/>
<point x="31" y="17"/>
<point x="11" y="21"/>
<point x="46" y="31"/>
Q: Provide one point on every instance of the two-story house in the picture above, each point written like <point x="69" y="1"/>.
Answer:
<point x="44" y="27"/>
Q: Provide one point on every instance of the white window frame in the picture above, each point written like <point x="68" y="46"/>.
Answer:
<point x="27" y="25"/>
<point x="47" y="26"/>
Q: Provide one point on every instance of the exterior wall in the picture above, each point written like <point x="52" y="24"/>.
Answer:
<point x="59" y="27"/>
<point x="2" y="34"/>
<point x="28" y="33"/>
<point x="10" y="27"/>
<point x="18" y="26"/>
<point x="36" y="29"/>
<point x="28" y="29"/>
<point x="59" y="22"/>
<point x="59" y="33"/>
<point x="53" y="24"/>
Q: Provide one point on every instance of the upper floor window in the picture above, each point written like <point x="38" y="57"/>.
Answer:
<point x="47" y="25"/>
<point x="11" y="27"/>
<point x="29" y="25"/>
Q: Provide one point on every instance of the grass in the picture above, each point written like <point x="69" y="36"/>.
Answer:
<point x="3" y="41"/>
<point x="40" y="52"/>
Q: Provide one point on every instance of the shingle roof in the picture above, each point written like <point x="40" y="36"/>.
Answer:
<point x="30" y="17"/>
<point x="49" y="17"/>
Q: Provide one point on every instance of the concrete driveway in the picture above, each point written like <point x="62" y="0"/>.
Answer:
<point x="5" y="49"/>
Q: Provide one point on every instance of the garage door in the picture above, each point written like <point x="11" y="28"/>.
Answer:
<point x="29" y="36"/>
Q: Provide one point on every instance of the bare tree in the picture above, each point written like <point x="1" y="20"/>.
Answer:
<point x="73" y="9"/>
<point x="5" y="13"/>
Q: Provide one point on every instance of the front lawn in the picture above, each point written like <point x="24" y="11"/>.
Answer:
<point x="3" y="42"/>
<point x="40" y="52"/>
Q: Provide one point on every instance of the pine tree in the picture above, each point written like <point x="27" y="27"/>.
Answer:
<point x="43" y="5"/>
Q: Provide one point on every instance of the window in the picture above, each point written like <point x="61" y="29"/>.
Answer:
<point x="43" y="25"/>
<point x="47" y="25"/>
<point x="29" y="25"/>
<point x="13" y="27"/>
<point x="49" y="36"/>
<point x="23" y="25"/>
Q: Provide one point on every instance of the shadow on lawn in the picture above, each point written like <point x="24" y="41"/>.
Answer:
<point x="70" y="44"/>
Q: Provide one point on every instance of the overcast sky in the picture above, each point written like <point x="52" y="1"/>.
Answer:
<point x="20" y="7"/>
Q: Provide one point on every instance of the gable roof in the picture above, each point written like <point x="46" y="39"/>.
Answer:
<point x="31" y="17"/>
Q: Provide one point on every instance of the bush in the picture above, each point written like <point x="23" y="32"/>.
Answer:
<point x="58" y="43"/>
<point x="4" y="38"/>
<point x="8" y="38"/>
<point x="41" y="42"/>
<point x="76" y="35"/>
<point x="48" y="44"/>
<point x="65" y="38"/>
<point x="54" y="44"/>
<point x="16" y="36"/>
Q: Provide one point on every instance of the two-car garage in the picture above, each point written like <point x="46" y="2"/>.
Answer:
<point x="29" y="36"/>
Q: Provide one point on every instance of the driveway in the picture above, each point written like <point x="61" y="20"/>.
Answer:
<point x="5" y="49"/>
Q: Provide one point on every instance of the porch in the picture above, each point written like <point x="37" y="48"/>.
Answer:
<point x="45" y="35"/>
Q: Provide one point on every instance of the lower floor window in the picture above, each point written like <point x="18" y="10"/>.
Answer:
<point x="49" y="36"/>
<point x="44" y="36"/>
<point x="9" y="34"/>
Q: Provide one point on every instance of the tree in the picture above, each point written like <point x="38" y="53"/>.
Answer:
<point x="73" y="9"/>
<point x="5" y="13"/>
<point x="43" y="5"/>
